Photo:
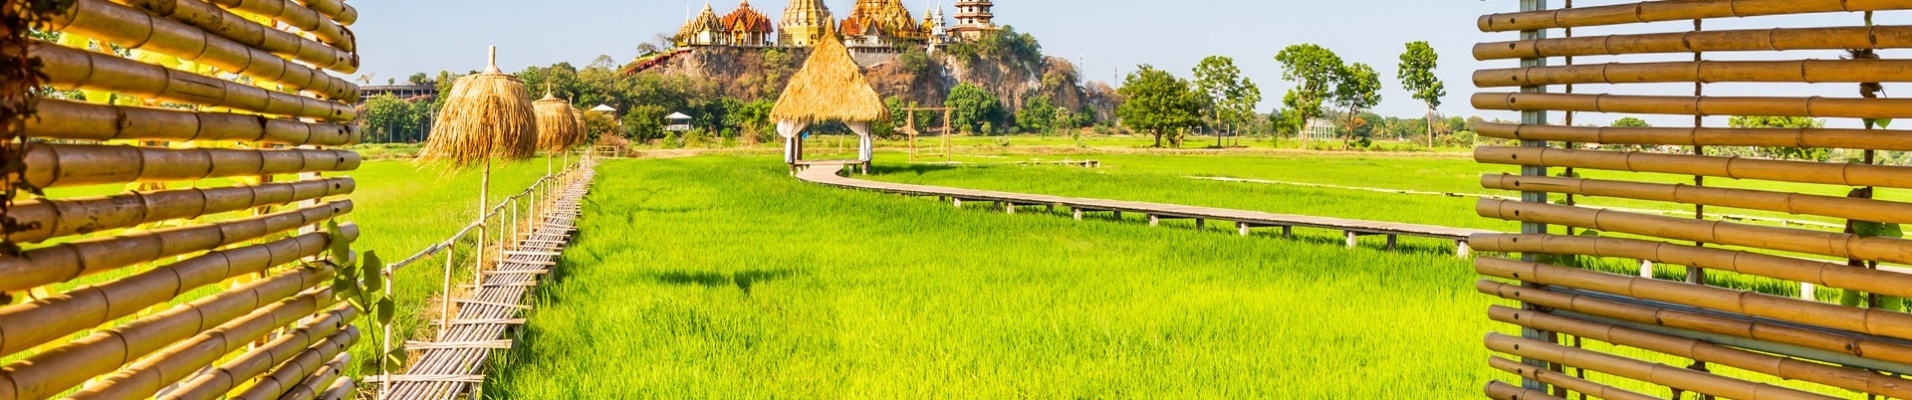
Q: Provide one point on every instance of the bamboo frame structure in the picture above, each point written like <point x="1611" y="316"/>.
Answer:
<point x="38" y="322"/>
<point x="1793" y="203"/>
<point x="1502" y="391"/>
<point x="1710" y="166"/>
<point x="69" y="68"/>
<point x="310" y="388"/>
<point x="1564" y="381"/>
<point x="1818" y="107"/>
<point x="320" y="334"/>
<point x="1820" y="273"/>
<point x="1832" y="244"/>
<point x="281" y="380"/>
<point x="117" y="22"/>
<point x="337" y="10"/>
<point x="49" y="219"/>
<point x="61" y="119"/>
<point x="205" y="13"/>
<point x="147" y="377"/>
<point x="1853" y="344"/>
<point x="1779" y="39"/>
<point x="1768" y="137"/>
<point x="1783" y="367"/>
<point x="1643" y="371"/>
<point x="67" y="261"/>
<point x="58" y="369"/>
<point x="1660" y="11"/>
<point x="1872" y="321"/>
<point x="343" y="389"/>
<point x="59" y="165"/>
<point x="1801" y="71"/>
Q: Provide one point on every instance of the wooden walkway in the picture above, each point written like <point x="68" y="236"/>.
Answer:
<point x="1244" y="220"/>
<point x="453" y="364"/>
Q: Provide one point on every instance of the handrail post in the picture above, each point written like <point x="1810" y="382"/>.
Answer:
<point x="444" y="306"/>
<point x="384" y="370"/>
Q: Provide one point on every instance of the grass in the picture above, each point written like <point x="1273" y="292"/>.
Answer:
<point x="719" y="277"/>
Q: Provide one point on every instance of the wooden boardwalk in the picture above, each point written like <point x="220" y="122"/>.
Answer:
<point x="1244" y="221"/>
<point x="452" y="365"/>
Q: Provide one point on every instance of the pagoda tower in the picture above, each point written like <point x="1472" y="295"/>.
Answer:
<point x="747" y="27"/>
<point x="804" y="23"/>
<point x="973" y="20"/>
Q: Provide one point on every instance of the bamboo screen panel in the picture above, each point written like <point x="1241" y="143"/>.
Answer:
<point x="208" y="276"/>
<point x="1725" y="320"/>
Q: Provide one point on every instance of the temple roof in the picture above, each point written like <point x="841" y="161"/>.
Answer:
<point x="706" y="21"/>
<point x="887" y="15"/>
<point x="747" y="19"/>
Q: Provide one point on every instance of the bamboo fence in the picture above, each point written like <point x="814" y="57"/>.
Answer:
<point x="272" y="319"/>
<point x="1863" y="346"/>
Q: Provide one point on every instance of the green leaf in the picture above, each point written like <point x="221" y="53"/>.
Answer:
<point x="386" y="310"/>
<point x="396" y="359"/>
<point x="1883" y="123"/>
<point x="373" y="273"/>
<point x="1590" y="232"/>
<point x="341" y="251"/>
<point x="1868" y="229"/>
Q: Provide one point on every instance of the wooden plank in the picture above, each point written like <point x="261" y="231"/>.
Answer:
<point x="482" y="344"/>
<point x="488" y="303"/>
<point x="531" y="253"/>
<point x="423" y="378"/>
<point x="512" y="321"/>
<point x="520" y="272"/>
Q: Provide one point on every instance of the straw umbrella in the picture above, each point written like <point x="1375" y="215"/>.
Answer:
<point x="829" y="87"/>
<point x="487" y="116"/>
<point x="557" y="126"/>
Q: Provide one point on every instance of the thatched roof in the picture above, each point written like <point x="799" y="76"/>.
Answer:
<point x="829" y="87"/>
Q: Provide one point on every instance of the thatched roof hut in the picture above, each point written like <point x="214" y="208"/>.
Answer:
<point x="829" y="87"/>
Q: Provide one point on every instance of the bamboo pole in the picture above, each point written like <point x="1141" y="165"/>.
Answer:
<point x="1871" y="321"/>
<point x="69" y="68"/>
<point x="147" y="377"/>
<point x="1728" y="167"/>
<point x="47" y="219"/>
<point x="1844" y="343"/>
<point x="1818" y="107"/>
<point x="58" y="369"/>
<point x="1766" y="137"/>
<point x="1564" y="381"/>
<point x="1832" y="244"/>
<point x="1803" y="71"/>
<point x="68" y="261"/>
<point x="43" y="320"/>
<point x="1838" y="275"/>
<point x="292" y="372"/>
<point x="313" y="385"/>
<point x="318" y="333"/>
<point x="1782" y="367"/>
<point x="1501" y="391"/>
<point x="1643" y="371"/>
<point x="205" y="14"/>
<point x="1661" y="11"/>
<point x="236" y="45"/>
<point x="1793" y="203"/>
<point x="337" y="10"/>
<point x="61" y="119"/>
<point x="1777" y="39"/>
<point x="343" y="389"/>
<point x="60" y="165"/>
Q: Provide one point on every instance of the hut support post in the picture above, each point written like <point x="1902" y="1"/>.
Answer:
<point x="1242" y="227"/>
<point x="866" y="150"/>
<point x="1533" y="118"/>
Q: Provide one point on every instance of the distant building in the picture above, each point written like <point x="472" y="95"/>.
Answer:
<point x="427" y="91"/>
<point x="873" y="26"/>
<point x="1320" y="128"/>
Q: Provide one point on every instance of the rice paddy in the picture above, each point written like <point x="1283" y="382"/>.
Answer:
<point x="720" y="277"/>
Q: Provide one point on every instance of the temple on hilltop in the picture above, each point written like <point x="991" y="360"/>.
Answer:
<point x="873" y="26"/>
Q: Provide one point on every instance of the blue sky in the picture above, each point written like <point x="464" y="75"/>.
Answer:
<point x="399" y="37"/>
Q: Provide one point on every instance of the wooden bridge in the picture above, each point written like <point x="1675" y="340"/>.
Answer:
<point x="829" y="174"/>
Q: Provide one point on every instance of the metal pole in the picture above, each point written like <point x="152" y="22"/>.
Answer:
<point x="1533" y="118"/>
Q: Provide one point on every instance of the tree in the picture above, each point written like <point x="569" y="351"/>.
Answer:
<point x="1356" y="88"/>
<point x="389" y="119"/>
<point x="1630" y="122"/>
<point x="1417" y="76"/>
<point x="1784" y="153"/>
<point x="975" y="107"/>
<point x="1038" y="114"/>
<point x="1313" y="69"/>
<point x="1231" y="97"/>
<point x="1159" y="103"/>
<point x="419" y="79"/>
